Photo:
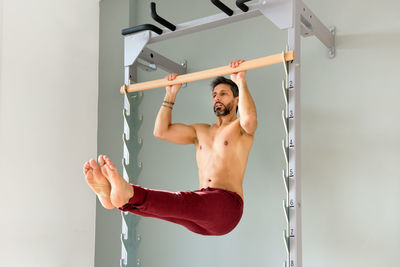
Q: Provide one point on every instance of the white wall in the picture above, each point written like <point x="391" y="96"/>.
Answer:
<point x="48" y="128"/>
<point x="351" y="162"/>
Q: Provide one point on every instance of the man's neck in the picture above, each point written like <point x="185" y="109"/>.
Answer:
<point x="222" y="120"/>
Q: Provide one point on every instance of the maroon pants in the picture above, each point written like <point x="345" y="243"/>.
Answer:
<point x="208" y="211"/>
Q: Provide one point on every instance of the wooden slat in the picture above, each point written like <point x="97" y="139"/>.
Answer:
<point x="205" y="74"/>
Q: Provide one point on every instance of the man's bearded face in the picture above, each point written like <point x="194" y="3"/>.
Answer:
<point x="222" y="110"/>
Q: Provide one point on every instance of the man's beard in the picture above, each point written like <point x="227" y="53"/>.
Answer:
<point x="223" y="110"/>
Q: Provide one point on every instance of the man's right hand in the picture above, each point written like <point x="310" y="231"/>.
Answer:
<point x="172" y="90"/>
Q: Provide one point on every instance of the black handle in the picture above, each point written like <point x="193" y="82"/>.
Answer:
<point x="240" y="4"/>
<point x="223" y="7"/>
<point x="143" y="27"/>
<point x="159" y="19"/>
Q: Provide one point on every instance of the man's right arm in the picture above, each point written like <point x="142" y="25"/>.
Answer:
<point x="177" y="133"/>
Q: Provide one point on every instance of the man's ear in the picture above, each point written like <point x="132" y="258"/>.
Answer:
<point x="237" y="101"/>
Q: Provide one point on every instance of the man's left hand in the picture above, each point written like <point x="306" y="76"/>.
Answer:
<point x="238" y="76"/>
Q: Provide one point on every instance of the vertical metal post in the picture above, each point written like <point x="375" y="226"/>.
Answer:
<point x="293" y="146"/>
<point x="130" y="239"/>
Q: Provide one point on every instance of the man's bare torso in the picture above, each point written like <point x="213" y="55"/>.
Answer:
<point x="222" y="153"/>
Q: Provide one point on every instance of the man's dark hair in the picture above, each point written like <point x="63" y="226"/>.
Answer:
<point x="222" y="79"/>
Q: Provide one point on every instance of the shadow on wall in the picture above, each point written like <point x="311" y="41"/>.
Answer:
<point x="368" y="40"/>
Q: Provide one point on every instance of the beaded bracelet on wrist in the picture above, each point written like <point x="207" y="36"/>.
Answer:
<point x="166" y="106"/>
<point x="171" y="103"/>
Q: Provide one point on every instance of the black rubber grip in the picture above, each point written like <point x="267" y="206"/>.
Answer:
<point x="222" y="7"/>
<point x="240" y="4"/>
<point x="159" y="19"/>
<point x="143" y="27"/>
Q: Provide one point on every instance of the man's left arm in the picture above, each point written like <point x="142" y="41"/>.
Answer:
<point x="247" y="107"/>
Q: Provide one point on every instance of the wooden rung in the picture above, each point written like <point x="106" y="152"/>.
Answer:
<point x="205" y="74"/>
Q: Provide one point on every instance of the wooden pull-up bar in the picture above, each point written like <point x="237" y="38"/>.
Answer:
<point x="205" y="74"/>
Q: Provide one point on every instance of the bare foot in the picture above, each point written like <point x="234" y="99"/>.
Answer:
<point x="121" y="190"/>
<point x="98" y="183"/>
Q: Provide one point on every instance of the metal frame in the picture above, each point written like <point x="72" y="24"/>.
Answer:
<point x="292" y="15"/>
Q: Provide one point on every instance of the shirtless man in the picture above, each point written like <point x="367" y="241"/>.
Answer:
<point x="222" y="151"/>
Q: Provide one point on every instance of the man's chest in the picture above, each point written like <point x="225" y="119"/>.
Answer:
<point x="219" y="138"/>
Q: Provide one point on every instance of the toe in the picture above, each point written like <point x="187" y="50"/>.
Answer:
<point x="103" y="166"/>
<point x="101" y="160"/>
<point x="109" y="163"/>
<point x="93" y="164"/>
<point x="95" y="167"/>
<point x="86" y="167"/>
